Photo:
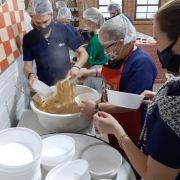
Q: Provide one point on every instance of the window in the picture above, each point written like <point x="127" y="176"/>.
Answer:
<point x="145" y="9"/>
<point x="103" y="6"/>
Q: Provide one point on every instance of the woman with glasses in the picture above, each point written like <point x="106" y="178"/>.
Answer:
<point x="159" y="155"/>
<point x="129" y="70"/>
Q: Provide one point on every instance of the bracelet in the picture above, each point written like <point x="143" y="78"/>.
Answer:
<point x="121" y="139"/>
<point x="29" y="75"/>
<point x="96" y="109"/>
<point x="77" y="67"/>
<point x="96" y="73"/>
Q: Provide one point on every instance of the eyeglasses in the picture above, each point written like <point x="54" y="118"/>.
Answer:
<point x="109" y="46"/>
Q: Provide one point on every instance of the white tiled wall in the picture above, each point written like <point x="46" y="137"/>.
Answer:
<point x="12" y="101"/>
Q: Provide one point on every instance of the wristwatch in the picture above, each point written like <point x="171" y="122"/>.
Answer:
<point x="29" y="75"/>
<point x="96" y="109"/>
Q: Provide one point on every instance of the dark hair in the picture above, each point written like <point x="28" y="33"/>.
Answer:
<point x="168" y="17"/>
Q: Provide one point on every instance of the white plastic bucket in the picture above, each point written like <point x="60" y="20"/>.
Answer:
<point x="29" y="139"/>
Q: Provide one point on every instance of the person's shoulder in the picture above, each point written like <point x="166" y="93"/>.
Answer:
<point x="128" y="16"/>
<point x="175" y="86"/>
<point x="30" y="34"/>
<point x="139" y="54"/>
<point x="94" y="39"/>
<point x="58" y="26"/>
<point x="142" y="59"/>
<point x="72" y="27"/>
<point x="130" y="19"/>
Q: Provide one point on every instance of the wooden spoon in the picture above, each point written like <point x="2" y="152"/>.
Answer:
<point x="27" y="95"/>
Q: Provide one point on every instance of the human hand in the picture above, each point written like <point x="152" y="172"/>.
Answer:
<point x="82" y="75"/>
<point x="149" y="95"/>
<point x="73" y="72"/>
<point x="30" y="82"/>
<point x="168" y="75"/>
<point x="87" y="107"/>
<point x="105" y="123"/>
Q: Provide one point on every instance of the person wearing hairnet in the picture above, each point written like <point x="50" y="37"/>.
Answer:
<point x="48" y="44"/>
<point x="64" y="17"/>
<point x="114" y="8"/>
<point x="60" y="4"/>
<point x="158" y="155"/>
<point x="94" y="20"/>
<point x="129" y="70"/>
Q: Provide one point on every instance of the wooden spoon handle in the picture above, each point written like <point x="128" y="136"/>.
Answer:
<point x="27" y="95"/>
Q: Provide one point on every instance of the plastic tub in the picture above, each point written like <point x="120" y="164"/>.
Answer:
<point x="76" y="170"/>
<point x="23" y="136"/>
<point x="57" y="147"/>
<point x="41" y="88"/>
<point x="94" y="96"/>
<point x="48" y="165"/>
<point x="126" y="100"/>
<point x="67" y="122"/>
<point x="104" y="161"/>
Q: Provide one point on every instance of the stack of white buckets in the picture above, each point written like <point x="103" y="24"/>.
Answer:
<point x="20" y="154"/>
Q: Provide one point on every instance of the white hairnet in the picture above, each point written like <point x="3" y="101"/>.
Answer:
<point x="116" y="29"/>
<point x="61" y="4"/>
<point x="113" y="6"/>
<point x="39" y="7"/>
<point x="64" y="13"/>
<point x="94" y="15"/>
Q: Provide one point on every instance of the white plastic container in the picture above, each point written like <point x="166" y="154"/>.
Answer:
<point x="94" y="96"/>
<point x="41" y="88"/>
<point x="26" y="137"/>
<point x="104" y="161"/>
<point x="64" y="123"/>
<point x="52" y="171"/>
<point x="76" y="170"/>
<point x="57" y="150"/>
<point x="50" y="164"/>
<point x="32" y="174"/>
<point x="57" y="147"/>
<point x="126" y="100"/>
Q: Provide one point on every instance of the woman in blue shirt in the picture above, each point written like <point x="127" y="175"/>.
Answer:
<point x="160" y="137"/>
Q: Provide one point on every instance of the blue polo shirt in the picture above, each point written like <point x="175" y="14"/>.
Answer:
<point x="163" y="144"/>
<point x="74" y="30"/>
<point x="51" y="55"/>
<point x="138" y="75"/>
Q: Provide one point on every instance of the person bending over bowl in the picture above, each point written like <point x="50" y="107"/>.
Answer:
<point x="158" y="156"/>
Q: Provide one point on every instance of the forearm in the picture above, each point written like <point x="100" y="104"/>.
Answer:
<point x="83" y="56"/>
<point x="92" y="72"/>
<point x="109" y="108"/>
<point x="136" y="157"/>
<point x="27" y="69"/>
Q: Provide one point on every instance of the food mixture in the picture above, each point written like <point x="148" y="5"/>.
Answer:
<point x="61" y="103"/>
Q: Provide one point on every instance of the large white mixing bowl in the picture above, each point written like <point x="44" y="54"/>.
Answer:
<point x="64" y="123"/>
